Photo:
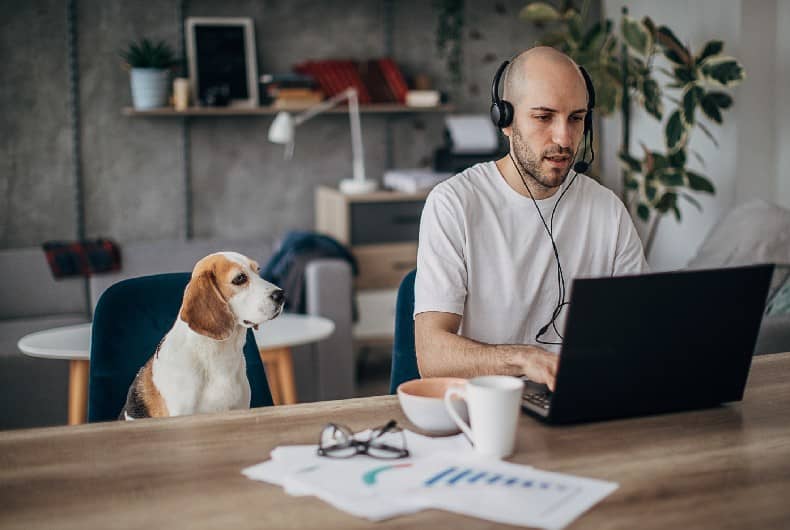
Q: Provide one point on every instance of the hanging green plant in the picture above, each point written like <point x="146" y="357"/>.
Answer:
<point x="449" y="36"/>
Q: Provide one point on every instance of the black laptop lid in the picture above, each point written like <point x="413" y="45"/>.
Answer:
<point x="658" y="342"/>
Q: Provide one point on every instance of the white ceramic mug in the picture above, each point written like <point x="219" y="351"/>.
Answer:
<point x="493" y="402"/>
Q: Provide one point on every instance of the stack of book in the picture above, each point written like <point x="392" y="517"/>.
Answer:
<point x="376" y="80"/>
<point x="290" y="91"/>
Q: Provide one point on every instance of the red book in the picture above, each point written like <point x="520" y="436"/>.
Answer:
<point x="374" y="81"/>
<point x="394" y="78"/>
<point x="351" y="72"/>
<point x="335" y="71"/>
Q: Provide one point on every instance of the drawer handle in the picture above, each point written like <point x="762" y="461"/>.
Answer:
<point x="405" y="219"/>
<point x="401" y="265"/>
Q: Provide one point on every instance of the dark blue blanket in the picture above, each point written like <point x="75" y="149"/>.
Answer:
<point x="286" y="267"/>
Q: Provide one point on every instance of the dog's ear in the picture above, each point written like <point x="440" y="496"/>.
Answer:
<point x="205" y="310"/>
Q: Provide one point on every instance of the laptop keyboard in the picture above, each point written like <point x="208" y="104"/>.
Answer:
<point x="541" y="399"/>
<point x="536" y="396"/>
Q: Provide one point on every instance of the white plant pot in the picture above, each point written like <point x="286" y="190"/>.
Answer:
<point x="149" y="87"/>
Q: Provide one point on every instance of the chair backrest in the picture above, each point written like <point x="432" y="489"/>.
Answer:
<point x="404" y="356"/>
<point x="130" y="319"/>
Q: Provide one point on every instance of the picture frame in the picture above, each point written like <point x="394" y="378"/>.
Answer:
<point x="222" y="61"/>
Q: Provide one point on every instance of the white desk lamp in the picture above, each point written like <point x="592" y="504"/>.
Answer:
<point x="282" y="132"/>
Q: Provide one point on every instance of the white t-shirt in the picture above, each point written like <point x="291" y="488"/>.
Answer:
<point x="484" y="253"/>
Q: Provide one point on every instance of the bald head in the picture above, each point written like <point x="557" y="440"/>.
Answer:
<point x="540" y="65"/>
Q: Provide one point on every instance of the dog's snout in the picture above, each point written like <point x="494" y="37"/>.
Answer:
<point x="278" y="296"/>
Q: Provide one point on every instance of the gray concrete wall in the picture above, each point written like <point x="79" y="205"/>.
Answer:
<point x="132" y="167"/>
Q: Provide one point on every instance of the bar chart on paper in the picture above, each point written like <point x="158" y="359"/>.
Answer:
<point x="493" y="490"/>
<point x="452" y="476"/>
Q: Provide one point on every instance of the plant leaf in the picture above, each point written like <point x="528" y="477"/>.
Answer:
<point x="636" y="36"/>
<point x="725" y="71"/>
<point x="692" y="200"/>
<point x="643" y="211"/>
<point x="651" y="92"/>
<point x="710" y="108"/>
<point x="722" y="100"/>
<point x="713" y="47"/>
<point x="659" y="161"/>
<point x="691" y="97"/>
<point x="575" y="25"/>
<point x="667" y="201"/>
<point x="685" y="75"/>
<point x="699" y="183"/>
<point x="673" y="48"/>
<point x="650" y="191"/>
<point x="677" y="159"/>
<point x="675" y="131"/>
<point x="593" y="39"/>
<point x="670" y="176"/>
<point x="539" y="13"/>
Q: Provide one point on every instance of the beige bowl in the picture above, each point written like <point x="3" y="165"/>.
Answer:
<point x="422" y="400"/>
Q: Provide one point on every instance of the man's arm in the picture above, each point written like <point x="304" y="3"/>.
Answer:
<point x="441" y="352"/>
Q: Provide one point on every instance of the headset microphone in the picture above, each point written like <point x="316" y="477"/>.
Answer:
<point x="581" y="166"/>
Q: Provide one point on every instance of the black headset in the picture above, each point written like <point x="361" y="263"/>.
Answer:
<point x="502" y="115"/>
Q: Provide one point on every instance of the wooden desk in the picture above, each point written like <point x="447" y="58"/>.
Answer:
<point x="727" y="467"/>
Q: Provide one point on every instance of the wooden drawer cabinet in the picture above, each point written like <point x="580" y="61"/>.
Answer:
<point x="384" y="266"/>
<point x="380" y="228"/>
<point x="372" y="223"/>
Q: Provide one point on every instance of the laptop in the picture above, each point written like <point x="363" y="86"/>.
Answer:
<point x="654" y="343"/>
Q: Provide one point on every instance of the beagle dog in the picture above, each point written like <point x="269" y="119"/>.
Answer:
<point x="199" y="365"/>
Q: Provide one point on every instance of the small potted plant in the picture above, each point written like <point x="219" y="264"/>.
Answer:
<point x="150" y="65"/>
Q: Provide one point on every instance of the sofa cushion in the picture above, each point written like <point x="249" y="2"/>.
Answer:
<point x="143" y="258"/>
<point x="754" y="232"/>
<point x="779" y="296"/>
<point x="29" y="289"/>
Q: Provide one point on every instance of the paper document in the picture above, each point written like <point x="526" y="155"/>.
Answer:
<point x="472" y="134"/>
<point x="300" y="471"/>
<point x="413" y="180"/>
<point x="443" y="473"/>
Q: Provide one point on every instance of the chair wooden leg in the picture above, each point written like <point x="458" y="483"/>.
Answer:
<point x="271" y="361"/>
<point x="286" y="368"/>
<point x="280" y="373"/>
<point x="78" y="391"/>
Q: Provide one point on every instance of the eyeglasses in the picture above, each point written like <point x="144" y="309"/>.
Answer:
<point x="338" y="441"/>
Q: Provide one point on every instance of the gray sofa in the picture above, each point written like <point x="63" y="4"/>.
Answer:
<point x="33" y="391"/>
<point x="755" y="232"/>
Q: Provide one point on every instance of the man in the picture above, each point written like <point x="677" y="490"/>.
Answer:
<point x="487" y="272"/>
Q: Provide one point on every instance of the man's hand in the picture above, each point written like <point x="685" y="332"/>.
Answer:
<point x="540" y="366"/>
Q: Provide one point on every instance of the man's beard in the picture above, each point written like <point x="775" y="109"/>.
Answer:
<point x="530" y="163"/>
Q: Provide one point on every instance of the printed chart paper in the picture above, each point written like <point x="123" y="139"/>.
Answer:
<point x="444" y="473"/>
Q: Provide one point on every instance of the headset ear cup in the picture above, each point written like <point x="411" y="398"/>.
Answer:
<point x="495" y="113"/>
<point x="507" y="114"/>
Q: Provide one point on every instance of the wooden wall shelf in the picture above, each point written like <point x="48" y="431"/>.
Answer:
<point x="373" y="108"/>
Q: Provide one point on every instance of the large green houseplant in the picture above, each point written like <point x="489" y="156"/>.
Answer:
<point x="149" y="64"/>
<point x="622" y="65"/>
